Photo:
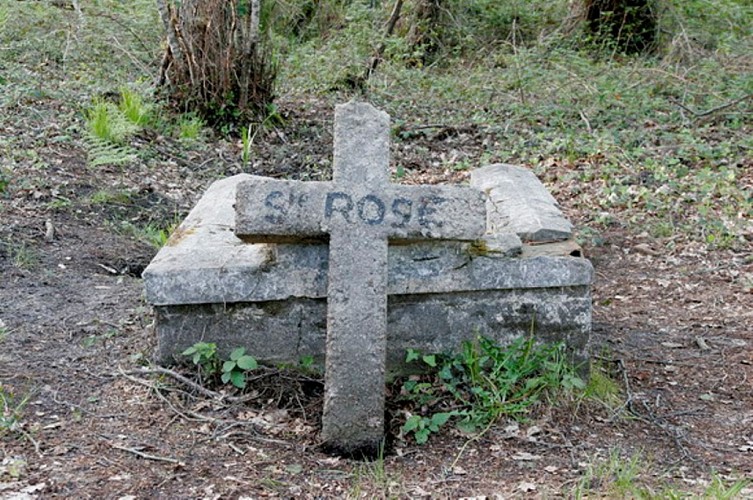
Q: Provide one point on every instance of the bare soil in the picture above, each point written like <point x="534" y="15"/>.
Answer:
<point x="672" y="324"/>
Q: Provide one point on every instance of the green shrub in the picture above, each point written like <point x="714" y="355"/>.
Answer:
<point x="189" y="127"/>
<point x="204" y="356"/>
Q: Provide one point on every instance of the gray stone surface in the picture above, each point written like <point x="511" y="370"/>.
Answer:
<point x="278" y="211"/>
<point x="359" y="210"/>
<point x="518" y="203"/>
<point x="285" y="331"/>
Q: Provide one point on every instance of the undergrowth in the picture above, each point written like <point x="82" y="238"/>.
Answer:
<point x="11" y="411"/>
<point x="483" y="383"/>
<point x="655" y="144"/>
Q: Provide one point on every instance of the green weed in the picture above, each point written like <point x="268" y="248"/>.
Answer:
<point x="234" y="369"/>
<point x="247" y="138"/>
<point x="152" y="234"/>
<point x="602" y="387"/>
<point x="107" y="197"/>
<point x="11" y="410"/>
<point x="307" y="365"/>
<point x="134" y="108"/>
<point x="92" y="340"/>
<point x="616" y="477"/>
<point x="204" y="356"/>
<point x="99" y="121"/>
<point x="372" y="480"/>
<point x="620" y="476"/>
<point x="719" y="489"/>
<point x="422" y="426"/>
<point x="59" y="203"/>
<point x="157" y="236"/>
<point x="107" y="122"/>
<point x="110" y="126"/>
<point x="484" y="382"/>
<point x="24" y="256"/>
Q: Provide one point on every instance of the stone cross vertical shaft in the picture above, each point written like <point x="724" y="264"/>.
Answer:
<point x="359" y="210"/>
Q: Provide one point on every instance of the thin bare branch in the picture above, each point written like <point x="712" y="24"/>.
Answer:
<point x="147" y="455"/>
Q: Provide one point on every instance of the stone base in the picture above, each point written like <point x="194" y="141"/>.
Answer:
<point x="207" y="285"/>
<point x="286" y="331"/>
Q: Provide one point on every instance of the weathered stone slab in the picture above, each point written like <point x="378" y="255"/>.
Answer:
<point x="204" y="262"/>
<point x="519" y="203"/>
<point x="359" y="210"/>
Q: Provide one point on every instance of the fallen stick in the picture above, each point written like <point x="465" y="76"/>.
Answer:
<point x="147" y="455"/>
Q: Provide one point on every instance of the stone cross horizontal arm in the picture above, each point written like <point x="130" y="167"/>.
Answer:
<point x="278" y="211"/>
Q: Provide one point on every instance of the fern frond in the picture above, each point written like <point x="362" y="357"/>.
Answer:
<point x="105" y="121"/>
<point x="102" y="152"/>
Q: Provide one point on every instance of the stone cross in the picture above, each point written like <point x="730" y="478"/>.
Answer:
<point x="359" y="210"/>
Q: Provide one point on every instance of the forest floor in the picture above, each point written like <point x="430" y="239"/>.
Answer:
<point x="674" y="327"/>
<point x="672" y="295"/>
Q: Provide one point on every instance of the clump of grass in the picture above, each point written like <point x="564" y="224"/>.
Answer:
<point x="602" y="387"/>
<point x="23" y="256"/>
<point x="11" y="410"/>
<point x="628" y="476"/>
<point x="105" y="197"/>
<point x="189" y="127"/>
<point x="615" y="477"/>
<point x="152" y="234"/>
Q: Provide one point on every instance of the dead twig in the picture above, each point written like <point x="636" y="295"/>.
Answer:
<point x="701" y="114"/>
<point x="148" y="456"/>
<point x="468" y="442"/>
<point x="183" y="413"/>
<point x="177" y="376"/>
<point x="198" y="387"/>
<point x="648" y="417"/>
<point x="33" y="441"/>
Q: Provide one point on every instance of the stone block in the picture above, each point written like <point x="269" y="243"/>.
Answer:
<point x="517" y="202"/>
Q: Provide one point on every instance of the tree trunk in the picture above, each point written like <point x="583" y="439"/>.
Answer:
<point x="423" y="36"/>
<point x="215" y="64"/>
<point x="632" y="25"/>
